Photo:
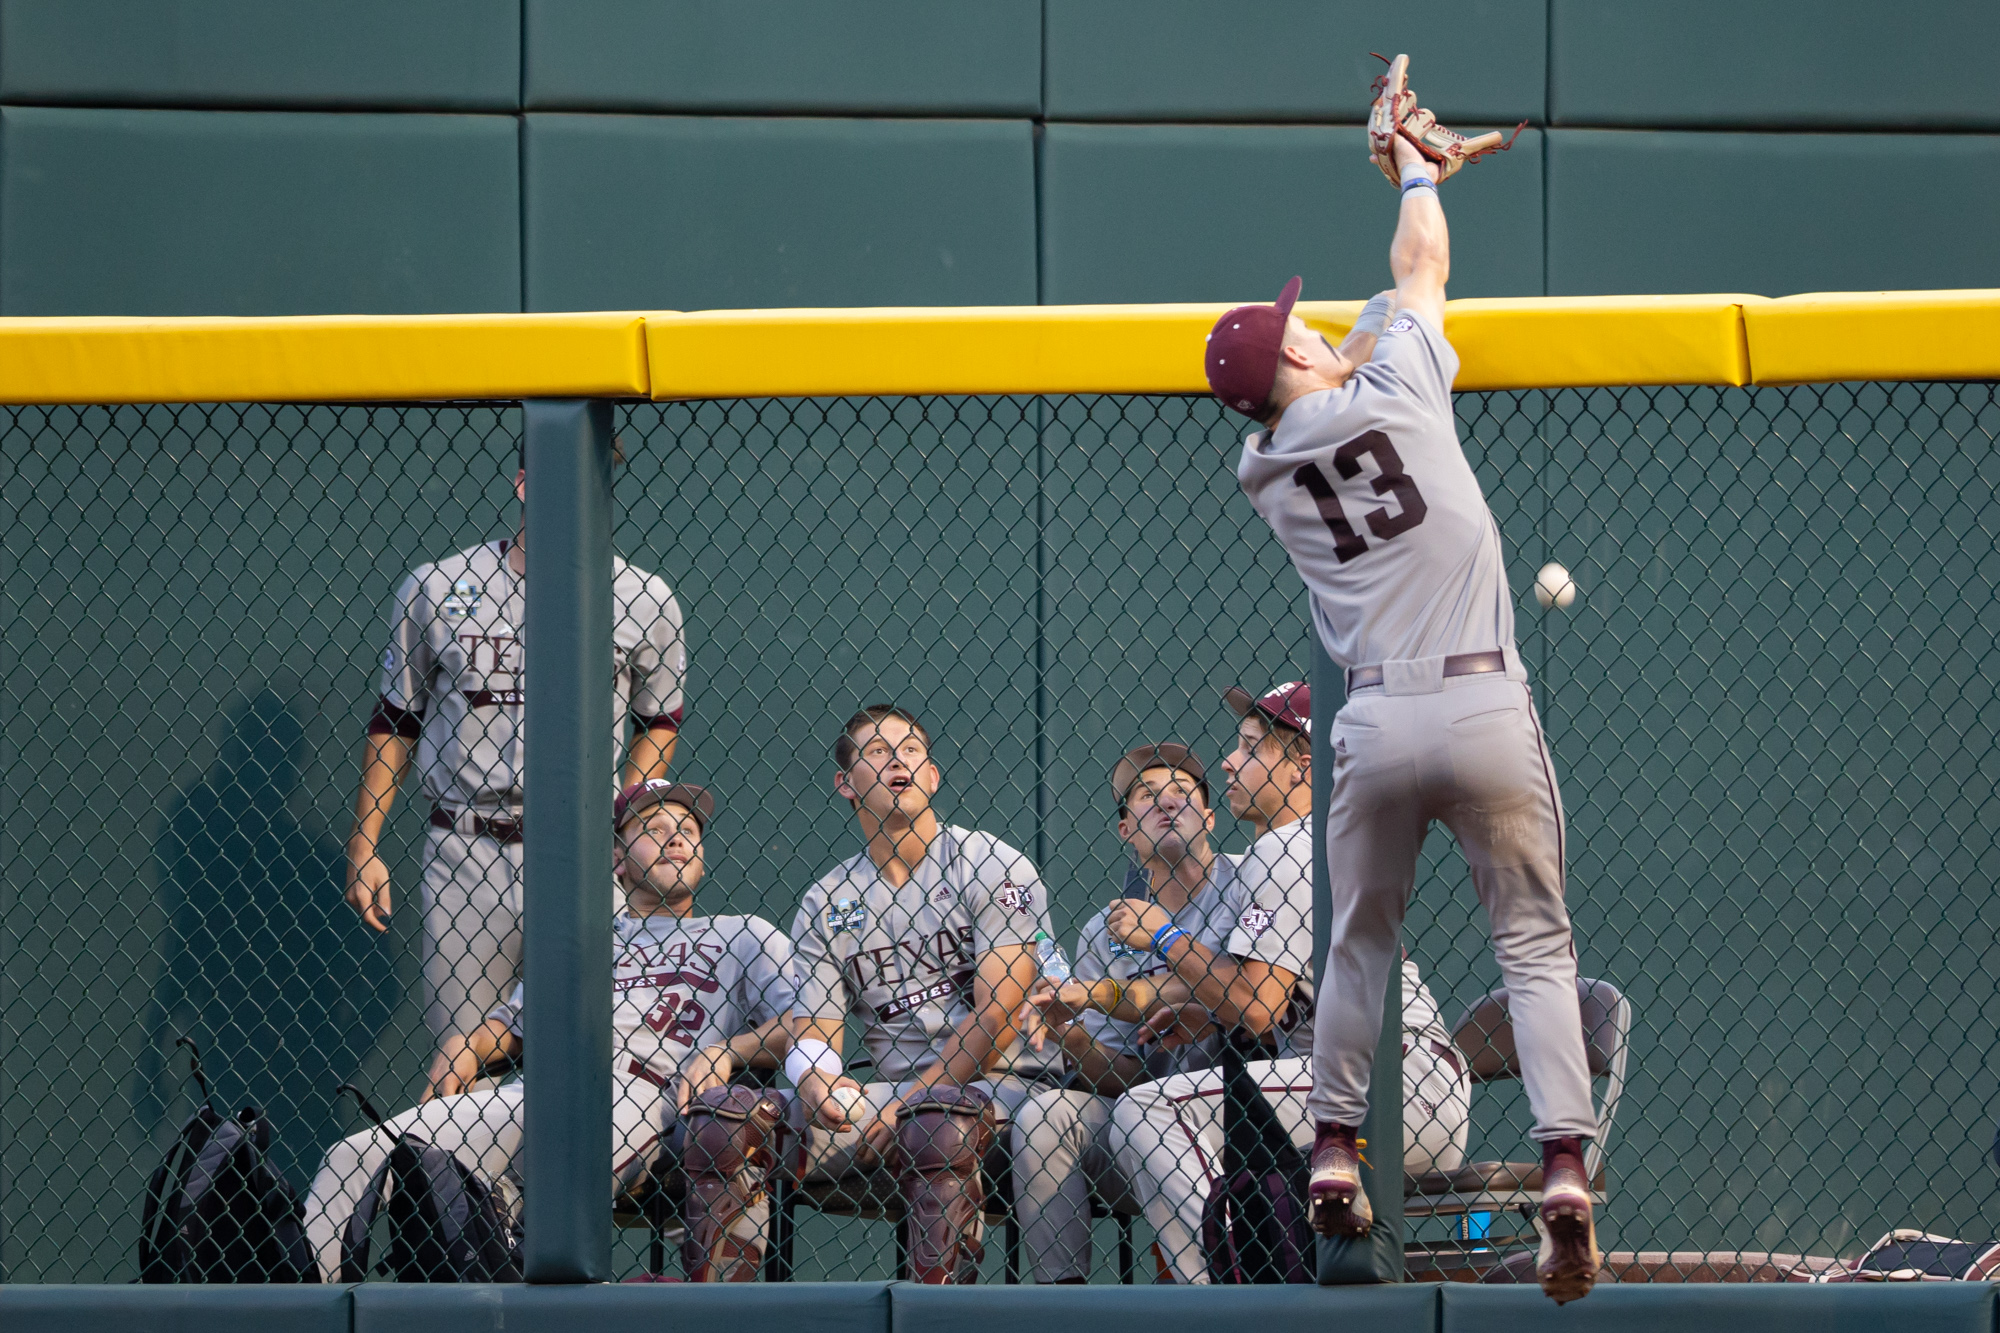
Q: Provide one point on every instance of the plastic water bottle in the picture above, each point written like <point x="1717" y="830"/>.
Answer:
<point x="1050" y="955"/>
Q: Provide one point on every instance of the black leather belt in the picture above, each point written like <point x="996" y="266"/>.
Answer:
<point x="1464" y="664"/>
<point x="476" y="826"/>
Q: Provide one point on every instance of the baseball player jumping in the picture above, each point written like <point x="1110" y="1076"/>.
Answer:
<point x="1359" y="472"/>
<point x="451" y="696"/>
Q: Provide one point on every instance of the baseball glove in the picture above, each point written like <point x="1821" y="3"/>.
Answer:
<point x="1396" y="112"/>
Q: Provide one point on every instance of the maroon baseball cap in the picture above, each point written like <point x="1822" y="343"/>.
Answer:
<point x="1243" y="351"/>
<point x="642" y="796"/>
<point x="1290" y="704"/>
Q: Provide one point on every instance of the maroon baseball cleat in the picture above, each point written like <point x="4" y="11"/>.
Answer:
<point x="1568" y="1263"/>
<point x="1339" y="1205"/>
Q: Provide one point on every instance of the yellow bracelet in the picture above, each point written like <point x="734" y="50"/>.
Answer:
<point x="1117" y="994"/>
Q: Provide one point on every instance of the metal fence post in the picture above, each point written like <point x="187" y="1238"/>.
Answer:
<point x="1379" y="1257"/>
<point x="567" y="822"/>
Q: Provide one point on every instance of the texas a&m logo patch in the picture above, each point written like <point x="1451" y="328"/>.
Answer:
<point x="1256" y="920"/>
<point x="1015" y="898"/>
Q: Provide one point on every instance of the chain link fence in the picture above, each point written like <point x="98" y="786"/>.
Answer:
<point x="1771" y="708"/>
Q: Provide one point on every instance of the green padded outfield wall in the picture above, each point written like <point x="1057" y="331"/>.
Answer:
<point x="220" y="156"/>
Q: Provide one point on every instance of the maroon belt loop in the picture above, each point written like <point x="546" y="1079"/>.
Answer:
<point x="1462" y="664"/>
<point x="506" y="831"/>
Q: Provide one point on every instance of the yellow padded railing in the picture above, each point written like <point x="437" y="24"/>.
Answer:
<point x="1527" y="342"/>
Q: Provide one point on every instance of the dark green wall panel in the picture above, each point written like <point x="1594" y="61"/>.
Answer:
<point x="1145" y="1309"/>
<point x="248" y="213"/>
<point x="688" y="213"/>
<point x="1635" y="211"/>
<point x="1227" y="213"/>
<point x="806" y="1307"/>
<point x="900" y="56"/>
<point x="1288" y="59"/>
<point x="439" y="54"/>
<point x="31" y="1308"/>
<point x="1926" y="64"/>
<point x="1956" y="1307"/>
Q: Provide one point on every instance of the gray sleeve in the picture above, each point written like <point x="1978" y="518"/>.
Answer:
<point x="819" y="987"/>
<point x="767" y="983"/>
<point x="659" y="664"/>
<point x="1008" y="903"/>
<point x="406" y="664"/>
<point x="511" y="1010"/>
<point x="1274" y="923"/>
<point x="1419" y="361"/>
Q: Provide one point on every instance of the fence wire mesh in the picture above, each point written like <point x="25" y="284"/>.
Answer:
<point x="1772" y="710"/>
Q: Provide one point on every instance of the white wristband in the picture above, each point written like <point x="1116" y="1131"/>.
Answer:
<point x="807" y="1053"/>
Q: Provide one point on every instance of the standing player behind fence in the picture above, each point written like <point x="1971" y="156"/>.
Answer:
<point x="452" y="687"/>
<point x="926" y="938"/>
<point x="1360" y="473"/>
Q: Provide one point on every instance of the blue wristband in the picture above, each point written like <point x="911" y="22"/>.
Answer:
<point x="1419" y="183"/>
<point x="1164" y="937"/>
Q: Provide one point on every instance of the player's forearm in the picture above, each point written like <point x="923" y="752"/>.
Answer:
<point x="967" y="1047"/>
<point x="1259" y="995"/>
<point x="763" y="1047"/>
<point x="651" y="752"/>
<point x="1207" y="975"/>
<point x="1421" y="251"/>
<point x="385" y="761"/>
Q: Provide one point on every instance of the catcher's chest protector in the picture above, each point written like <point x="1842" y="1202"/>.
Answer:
<point x="734" y="1137"/>
<point x="942" y="1139"/>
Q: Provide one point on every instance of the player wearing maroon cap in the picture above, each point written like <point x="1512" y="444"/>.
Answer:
<point x="695" y="999"/>
<point x="1361" y="475"/>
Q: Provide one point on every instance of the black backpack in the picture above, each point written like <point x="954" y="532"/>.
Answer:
<point x="444" y="1223"/>
<point x="1255" y="1227"/>
<point x="216" y="1210"/>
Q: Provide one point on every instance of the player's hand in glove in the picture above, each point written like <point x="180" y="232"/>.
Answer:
<point x="1396" y="115"/>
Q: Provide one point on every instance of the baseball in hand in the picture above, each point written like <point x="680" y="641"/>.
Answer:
<point x="1554" y="586"/>
<point x="848" y="1098"/>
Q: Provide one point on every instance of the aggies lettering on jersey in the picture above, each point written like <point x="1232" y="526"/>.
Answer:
<point x="452" y="674"/>
<point x="903" y="960"/>
<point x="682" y="983"/>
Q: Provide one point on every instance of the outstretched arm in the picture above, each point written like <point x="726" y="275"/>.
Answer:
<point x="1420" y="256"/>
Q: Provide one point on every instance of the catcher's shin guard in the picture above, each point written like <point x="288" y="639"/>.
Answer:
<point x="942" y="1138"/>
<point x="733" y="1140"/>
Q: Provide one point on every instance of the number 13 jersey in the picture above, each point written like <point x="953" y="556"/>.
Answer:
<point x="1370" y="493"/>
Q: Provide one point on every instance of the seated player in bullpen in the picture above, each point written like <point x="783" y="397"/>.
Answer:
<point x="926" y="938"/>
<point x="1166" y="1135"/>
<point x="1062" y="1137"/>
<point x="696" y="999"/>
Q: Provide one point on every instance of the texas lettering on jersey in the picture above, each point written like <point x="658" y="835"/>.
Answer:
<point x="943" y="962"/>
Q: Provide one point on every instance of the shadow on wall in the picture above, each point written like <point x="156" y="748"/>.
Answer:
<point x="266" y="967"/>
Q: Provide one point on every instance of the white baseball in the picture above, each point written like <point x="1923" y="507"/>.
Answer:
<point x="849" y="1098"/>
<point x="1554" y="586"/>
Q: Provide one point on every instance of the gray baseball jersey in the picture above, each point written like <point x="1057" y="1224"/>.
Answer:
<point x="1276" y="923"/>
<point x="1211" y="917"/>
<point x="680" y="983"/>
<point x="902" y="960"/>
<point x="1374" y="469"/>
<point x="454" y="665"/>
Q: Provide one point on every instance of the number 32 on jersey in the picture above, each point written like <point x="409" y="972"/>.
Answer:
<point x="1393" y="481"/>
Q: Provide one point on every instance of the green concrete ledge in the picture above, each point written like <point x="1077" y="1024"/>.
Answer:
<point x="1152" y="1309"/>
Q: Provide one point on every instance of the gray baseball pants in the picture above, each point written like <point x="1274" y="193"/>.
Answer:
<point x="1468" y="752"/>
